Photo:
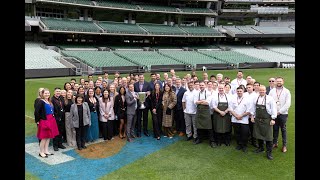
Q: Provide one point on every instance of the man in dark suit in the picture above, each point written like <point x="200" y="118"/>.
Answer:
<point x="131" y="99"/>
<point x="142" y="86"/>
<point x="272" y="84"/>
<point x="178" y="111"/>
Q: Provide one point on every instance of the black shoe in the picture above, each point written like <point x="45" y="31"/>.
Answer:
<point x="227" y="144"/>
<point x="196" y="141"/>
<point x="189" y="138"/>
<point x="84" y="147"/>
<point x="146" y="134"/>
<point x="269" y="156"/>
<point x="79" y="148"/>
<point x="55" y="148"/>
<point x="133" y="136"/>
<point x="138" y="135"/>
<point x="49" y="154"/>
<point x="244" y="149"/>
<point x="238" y="147"/>
<point x="213" y="144"/>
<point x="61" y="146"/>
<point x="259" y="150"/>
<point x="43" y="156"/>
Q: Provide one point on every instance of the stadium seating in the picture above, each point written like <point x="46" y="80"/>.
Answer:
<point x="70" y="25"/>
<point x="147" y="58"/>
<point x="122" y="28"/>
<point x="274" y="30"/>
<point x="160" y="29"/>
<point x="287" y="50"/>
<point x="86" y="2"/>
<point x="98" y="58"/>
<point x="263" y="54"/>
<point x="201" y="31"/>
<point x="115" y="4"/>
<point x="190" y="57"/>
<point x="39" y="58"/>
<point x="158" y="8"/>
<point x="195" y="10"/>
<point x="248" y="30"/>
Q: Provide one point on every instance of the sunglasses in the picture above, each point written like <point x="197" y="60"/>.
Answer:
<point x="271" y="81"/>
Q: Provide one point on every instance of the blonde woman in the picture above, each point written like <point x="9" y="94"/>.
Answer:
<point x="70" y="131"/>
<point x="47" y="126"/>
<point x="169" y="101"/>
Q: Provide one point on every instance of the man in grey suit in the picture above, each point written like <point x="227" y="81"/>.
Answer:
<point x="131" y="99"/>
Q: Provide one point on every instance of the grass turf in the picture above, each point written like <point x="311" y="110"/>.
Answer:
<point x="183" y="160"/>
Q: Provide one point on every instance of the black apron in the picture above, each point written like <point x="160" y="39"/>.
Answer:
<point x="262" y="128"/>
<point x="203" y="117"/>
<point x="222" y="124"/>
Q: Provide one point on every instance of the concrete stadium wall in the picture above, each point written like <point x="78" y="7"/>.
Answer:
<point x="54" y="72"/>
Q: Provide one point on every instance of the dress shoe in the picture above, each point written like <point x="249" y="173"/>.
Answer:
<point x="181" y="134"/>
<point x="43" y="156"/>
<point x="284" y="149"/>
<point x="259" y="150"/>
<point x="196" y="141"/>
<point x="133" y="136"/>
<point x="174" y="131"/>
<point x="129" y="140"/>
<point x="79" y="148"/>
<point x="244" y="149"/>
<point x="275" y="146"/>
<point x="138" y="135"/>
<point x="55" y="148"/>
<point x="146" y="134"/>
<point x="61" y="146"/>
<point x="84" y="147"/>
<point x="269" y="156"/>
<point x="227" y="144"/>
<point x="213" y="144"/>
<point x="49" y="154"/>
<point x="189" y="138"/>
<point x="158" y="138"/>
<point x="238" y="147"/>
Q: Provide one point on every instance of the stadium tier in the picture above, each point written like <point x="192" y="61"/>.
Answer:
<point x="115" y="4"/>
<point x="204" y="31"/>
<point x="162" y="29"/>
<point x="147" y="58"/>
<point x="196" y="10"/>
<point x="39" y="58"/>
<point x="158" y="8"/>
<point x="190" y="57"/>
<point x="263" y="54"/>
<point x="286" y="50"/>
<point x="99" y="58"/>
<point x="70" y="25"/>
<point x="232" y="57"/>
<point x="122" y="28"/>
<point x="258" y="31"/>
<point x="274" y="30"/>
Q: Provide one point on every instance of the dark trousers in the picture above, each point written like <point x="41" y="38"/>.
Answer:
<point x="58" y="139"/>
<point x="268" y="145"/>
<point x="116" y="125"/>
<point x="131" y="121"/>
<point x="252" y="139"/>
<point x="155" y="123"/>
<point x="144" y="113"/>
<point x="81" y="134"/>
<point x="180" y="122"/>
<point x="203" y="132"/>
<point x="280" y="122"/>
<point x="107" y="130"/>
<point x="223" y="137"/>
<point x="241" y="132"/>
<point x="100" y="129"/>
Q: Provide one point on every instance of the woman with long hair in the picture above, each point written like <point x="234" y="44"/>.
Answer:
<point x="112" y="94"/>
<point x="47" y="126"/>
<point x="70" y="131"/>
<point x="120" y="109"/>
<point x="106" y="115"/>
<point x="169" y="100"/>
<point x="156" y="108"/>
<point x="93" y="102"/>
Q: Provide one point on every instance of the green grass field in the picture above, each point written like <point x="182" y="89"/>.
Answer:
<point x="183" y="160"/>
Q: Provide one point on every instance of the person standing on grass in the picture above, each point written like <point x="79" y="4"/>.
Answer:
<point x="58" y="104"/>
<point x="240" y="110"/>
<point x="237" y="81"/>
<point x="47" y="125"/>
<point x="120" y="110"/>
<point x="282" y="96"/>
<point x="113" y="92"/>
<point x="36" y="101"/>
<point x="264" y="113"/>
<point x="203" y="116"/>
<point x="178" y="110"/>
<point x="169" y="101"/>
<point x="272" y="84"/>
<point x="93" y="102"/>
<point x="190" y="110"/>
<point x="131" y="100"/>
<point x="70" y="131"/>
<point x="106" y="115"/>
<point x="81" y="120"/>
<point x="156" y="109"/>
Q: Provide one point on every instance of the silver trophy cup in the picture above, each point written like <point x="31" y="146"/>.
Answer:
<point x="142" y="99"/>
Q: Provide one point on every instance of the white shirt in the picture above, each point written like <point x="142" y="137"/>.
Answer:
<point x="251" y="95"/>
<point x="240" y="106"/>
<point x="236" y="83"/>
<point x="224" y="98"/>
<point x="188" y="98"/>
<point x="205" y="95"/>
<point x="270" y="105"/>
<point x="284" y="97"/>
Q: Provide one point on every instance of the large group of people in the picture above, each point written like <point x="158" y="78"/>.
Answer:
<point x="197" y="108"/>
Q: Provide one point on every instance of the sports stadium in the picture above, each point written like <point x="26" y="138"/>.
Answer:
<point x="74" y="39"/>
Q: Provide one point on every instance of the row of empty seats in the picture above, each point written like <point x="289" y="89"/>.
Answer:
<point x="125" y="28"/>
<point x="259" y="30"/>
<point x="39" y="58"/>
<point x="287" y="50"/>
<point x="232" y="57"/>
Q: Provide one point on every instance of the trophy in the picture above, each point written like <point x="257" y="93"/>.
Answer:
<point x="142" y="99"/>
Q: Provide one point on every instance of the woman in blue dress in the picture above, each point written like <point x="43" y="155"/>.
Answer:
<point x="93" y="102"/>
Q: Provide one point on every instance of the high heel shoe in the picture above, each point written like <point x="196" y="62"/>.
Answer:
<point x="124" y="135"/>
<point x="120" y="135"/>
<point x="49" y="154"/>
<point x="43" y="156"/>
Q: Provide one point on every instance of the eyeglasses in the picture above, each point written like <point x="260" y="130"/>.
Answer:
<point x="271" y="81"/>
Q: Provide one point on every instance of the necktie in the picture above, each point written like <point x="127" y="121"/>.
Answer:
<point x="177" y="91"/>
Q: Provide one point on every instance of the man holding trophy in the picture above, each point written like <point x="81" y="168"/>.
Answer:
<point x="143" y="89"/>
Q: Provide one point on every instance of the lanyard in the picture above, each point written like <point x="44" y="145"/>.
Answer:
<point x="279" y="94"/>
<point x="240" y="100"/>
